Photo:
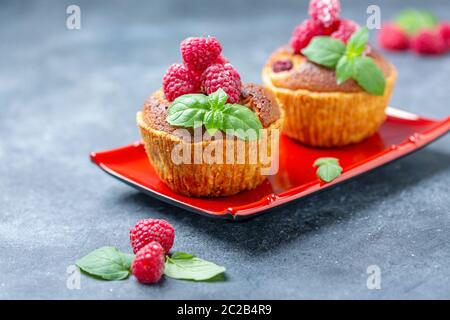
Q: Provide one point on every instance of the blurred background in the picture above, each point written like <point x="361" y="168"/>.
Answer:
<point x="65" y="93"/>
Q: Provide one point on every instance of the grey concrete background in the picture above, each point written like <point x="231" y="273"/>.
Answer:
<point x="66" y="93"/>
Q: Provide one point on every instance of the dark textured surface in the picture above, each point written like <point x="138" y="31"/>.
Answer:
<point x="66" y="93"/>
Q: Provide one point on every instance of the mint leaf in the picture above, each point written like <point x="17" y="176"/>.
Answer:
<point x="213" y="121"/>
<point x="344" y="69"/>
<point x="329" y="172"/>
<point x="348" y="60"/>
<point x="182" y="255"/>
<point x="218" y="99"/>
<point x="412" y="20"/>
<point x="188" y="110"/>
<point x="329" y="169"/>
<point x="240" y="119"/>
<point x="107" y="263"/>
<point x="322" y="161"/>
<point x="369" y="76"/>
<point x="127" y="259"/>
<point x="185" y="266"/>
<point x="325" y="51"/>
<point x="357" y="42"/>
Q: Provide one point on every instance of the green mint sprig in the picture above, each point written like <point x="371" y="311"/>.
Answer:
<point x="185" y="266"/>
<point x="194" y="110"/>
<point x="108" y="263"/>
<point x="348" y="60"/>
<point x="328" y="169"/>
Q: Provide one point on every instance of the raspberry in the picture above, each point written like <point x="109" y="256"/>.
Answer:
<point x="148" y="265"/>
<point x="222" y="76"/>
<point x="444" y="31"/>
<point x="325" y="11"/>
<point x="282" y="65"/>
<point x="331" y="28"/>
<point x="234" y="73"/>
<point x="345" y="30"/>
<point x="303" y="34"/>
<point x="178" y="80"/>
<point x="150" y="230"/>
<point x="199" y="53"/>
<point x="428" y="42"/>
<point x="221" y="60"/>
<point x="392" y="37"/>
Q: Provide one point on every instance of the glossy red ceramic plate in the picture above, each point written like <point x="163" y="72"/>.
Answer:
<point x="401" y="134"/>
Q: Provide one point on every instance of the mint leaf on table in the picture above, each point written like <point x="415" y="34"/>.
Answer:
<point x="328" y="169"/>
<point x="107" y="263"/>
<point x="186" y="266"/>
<point x="181" y="255"/>
<point x="214" y="113"/>
<point x="412" y="20"/>
<point x="325" y="51"/>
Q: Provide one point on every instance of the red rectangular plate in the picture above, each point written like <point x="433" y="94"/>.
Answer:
<point x="401" y="134"/>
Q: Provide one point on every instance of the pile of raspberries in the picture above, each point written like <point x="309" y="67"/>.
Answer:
<point x="151" y="240"/>
<point x="325" y="21"/>
<point x="204" y="70"/>
<point x="425" y="42"/>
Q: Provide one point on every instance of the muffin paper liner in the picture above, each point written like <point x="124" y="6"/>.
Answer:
<point x="225" y="177"/>
<point x="331" y="119"/>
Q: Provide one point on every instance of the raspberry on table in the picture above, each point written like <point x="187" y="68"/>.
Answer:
<point x="325" y="11"/>
<point x="148" y="265"/>
<point x="428" y="42"/>
<point x="304" y="33"/>
<point x="345" y="30"/>
<point x="282" y="65"/>
<point x="222" y="76"/>
<point x="179" y="80"/>
<point x="444" y="31"/>
<point x="152" y="230"/>
<point x="392" y="37"/>
<point x="199" y="53"/>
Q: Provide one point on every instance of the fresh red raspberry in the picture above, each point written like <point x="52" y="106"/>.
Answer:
<point x="229" y="67"/>
<point x="148" y="265"/>
<point x="444" y="31"/>
<point x="428" y="42"/>
<point x="222" y="76"/>
<point x="221" y="60"/>
<point x="392" y="37"/>
<point x="149" y="230"/>
<point x="325" y="11"/>
<point x="282" y="65"/>
<point x="303" y="34"/>
<point x="199" y="53"/>
<point x="178" y="80"/>
<point x="331" y="28"/>
<point x="345" y="30"/>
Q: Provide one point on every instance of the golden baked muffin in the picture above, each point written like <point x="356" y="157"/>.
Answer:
<point x="333" y="87"/>
<point x="197" y="141"/>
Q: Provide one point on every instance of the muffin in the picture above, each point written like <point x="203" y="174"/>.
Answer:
<point x="204" y="160"/>
<point x="319" y="110"/>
